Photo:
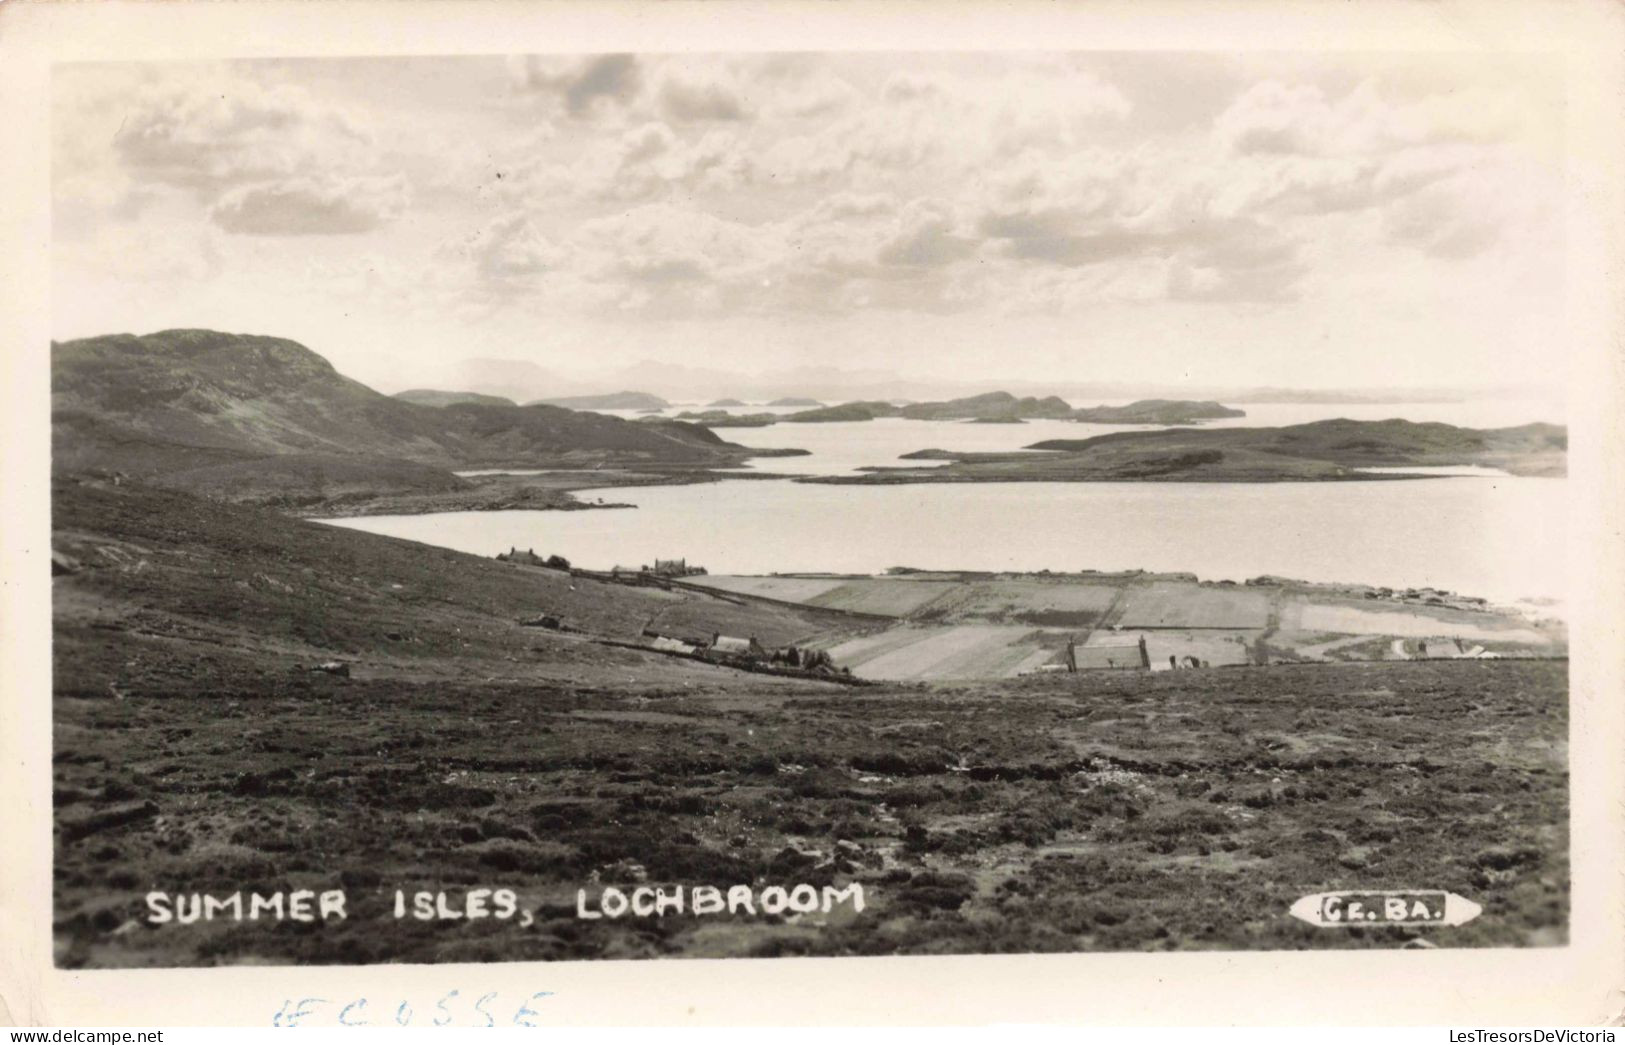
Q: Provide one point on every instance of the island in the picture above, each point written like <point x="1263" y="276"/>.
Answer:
<point x="1156" y="412"/>
<point x="723" y="419"/>
<point x="1338" y="449"/>
<point x="612" y="401"/>
<point x="435" y="397"/>
<point x="794" y="401"/>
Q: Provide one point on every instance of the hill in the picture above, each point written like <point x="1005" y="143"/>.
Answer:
<point x="435" y="397"/>
<point x="1156" y="412"/>
<point x="612" y="401"/>
<point x="180" y="400"/>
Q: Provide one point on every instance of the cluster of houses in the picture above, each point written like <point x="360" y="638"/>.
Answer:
<point x="664" y="568"/>
<point x="528" y="557"/>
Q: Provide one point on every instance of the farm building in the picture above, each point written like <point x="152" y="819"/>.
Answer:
<point x="528" y="557"/>
<point x="1439" y="649"/>
<point x="676" y="568"/>
<point x="666" y="644"/>
<point x="737" y="647"/>
<point x="1127" y="656"/>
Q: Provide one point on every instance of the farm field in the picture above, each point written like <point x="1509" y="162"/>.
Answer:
<point x="1064" y="603"/>
<point x="1172" y="604"/>
<point x="1352" y="618"/>
<point x="784" y="589"/>
<point x="966" y="651"/>
<point x="980" y="622"/>
<point x="886" y="597"/>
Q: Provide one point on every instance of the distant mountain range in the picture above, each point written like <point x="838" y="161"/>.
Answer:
<point x="523" y="380"/>
<point x="989" y="407"/>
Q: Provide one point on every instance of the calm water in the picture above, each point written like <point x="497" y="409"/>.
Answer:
<point x="1501" y="538"/>
<point x="1475" y="532"/>
<point x="844" y="447"/>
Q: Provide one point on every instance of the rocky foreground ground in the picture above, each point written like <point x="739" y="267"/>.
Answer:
<point x="196" y="752"/>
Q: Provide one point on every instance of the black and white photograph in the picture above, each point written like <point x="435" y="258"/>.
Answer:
<point x="568" y="505"/>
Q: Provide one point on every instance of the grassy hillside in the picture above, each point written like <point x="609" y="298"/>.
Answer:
<point x="149" y="405"/>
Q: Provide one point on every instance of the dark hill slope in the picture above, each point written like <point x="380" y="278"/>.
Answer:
<point x="184" y="398"/>
<point x="173" y="594"/>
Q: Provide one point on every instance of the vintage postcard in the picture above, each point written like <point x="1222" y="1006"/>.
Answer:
<point x="596" y="486"/>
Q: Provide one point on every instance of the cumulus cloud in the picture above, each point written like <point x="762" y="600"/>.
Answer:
<point x="212" y="133"/>
<point x="645" y="163"/>
<point x="689" y="95"/>
<point x="310" y="207"/>
<point x="511" y="249"/>
<point x="260" y="159"/>
<point x="583" y="84"/>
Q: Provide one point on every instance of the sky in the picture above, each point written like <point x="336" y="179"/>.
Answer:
<point x="1313" y="221"/>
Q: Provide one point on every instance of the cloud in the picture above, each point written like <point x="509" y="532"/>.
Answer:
<point x="512" y="249"/>
<point x="212" y="132"/>
<point x="950" y="125"/>
<point x="690" y="95"/>
<point x="927" y="237"/>
<point x="582" y="85"/>
<point x="644" y="163"/>
<point x="310" y="207"/>
<point x="1454" y="220"/>
<point x="817" y="96"/>
<point x="1298" y="119"/>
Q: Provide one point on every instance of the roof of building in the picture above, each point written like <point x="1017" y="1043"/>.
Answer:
<point x="729" y="644"/>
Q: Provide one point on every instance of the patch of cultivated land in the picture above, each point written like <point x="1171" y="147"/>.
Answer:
<point x="784" y="589"/>
<point x="1358" y="618"/>
<point x="1175" y="604"/>
<point x="951" y="626"/>
<point x="965" y="651"/>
